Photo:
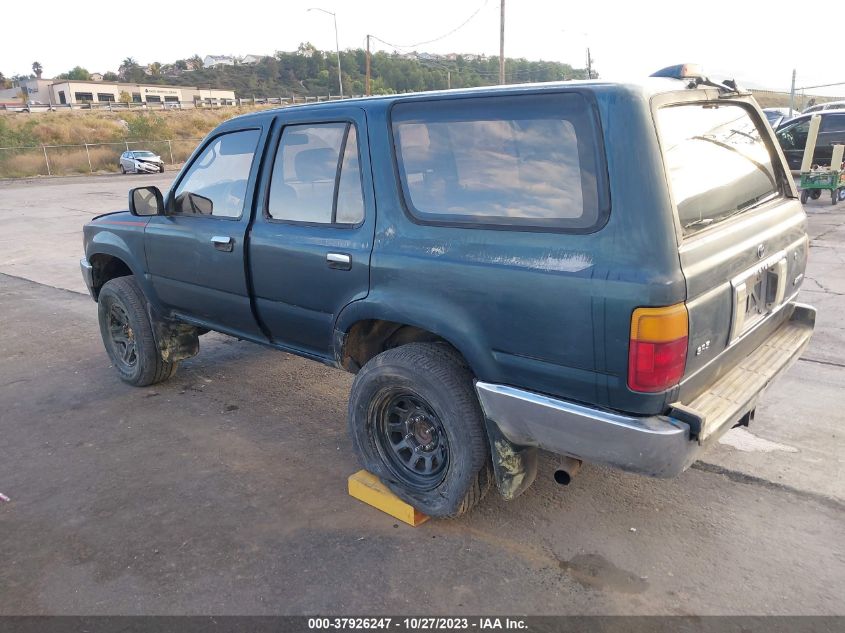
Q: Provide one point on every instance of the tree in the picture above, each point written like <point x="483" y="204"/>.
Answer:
<point x="130" y="70"/>
<point x="37" y="69"/>
<point x="155" y="69"/>
<point x="124" y="97"/>
<point x="196" y="62"/>
<point x="110" y="76"/>
<point x="4" y="83"/>
<point x="180" y="64"/>
<point x="78" y="73"/>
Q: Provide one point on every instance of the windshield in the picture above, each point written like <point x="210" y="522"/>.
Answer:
<point x="717" y="163"/>
<point x="143" y="154"/>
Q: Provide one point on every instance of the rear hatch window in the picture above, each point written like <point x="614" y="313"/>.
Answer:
<point x="717" y="162"/>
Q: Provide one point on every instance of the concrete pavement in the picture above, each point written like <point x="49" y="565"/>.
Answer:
<point x="223" y="490"/>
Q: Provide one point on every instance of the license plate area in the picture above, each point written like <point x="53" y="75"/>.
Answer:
<point x="757" y="293"/>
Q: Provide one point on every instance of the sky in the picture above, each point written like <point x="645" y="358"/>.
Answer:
<point x="729" y="38"/>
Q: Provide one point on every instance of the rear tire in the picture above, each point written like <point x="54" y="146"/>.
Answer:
<point x="416" y="423"/>
<point x="128" y="334"/>
<point x="805" y="195"/>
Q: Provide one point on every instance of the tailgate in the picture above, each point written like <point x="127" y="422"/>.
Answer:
<point x="744" y="245"/>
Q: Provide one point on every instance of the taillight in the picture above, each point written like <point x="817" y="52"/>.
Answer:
<point x="657" y="355"/>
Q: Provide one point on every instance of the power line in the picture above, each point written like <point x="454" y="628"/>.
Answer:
<point x="442" y="37"/>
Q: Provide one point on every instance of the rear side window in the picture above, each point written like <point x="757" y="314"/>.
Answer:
<point x="717" y="162"/>
<point x="317" y="176"/>
<point x="521" y="161"/>
<point x="832" y="129"/>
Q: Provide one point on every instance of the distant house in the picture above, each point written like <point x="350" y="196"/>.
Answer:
<point x="251" y="59"/>
<point x="212" y="61"/>
<point x="96" y="77"/>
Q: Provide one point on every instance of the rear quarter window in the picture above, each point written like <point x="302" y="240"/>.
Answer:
<point x="717" y="162"/>
<point x="515" y="161"/>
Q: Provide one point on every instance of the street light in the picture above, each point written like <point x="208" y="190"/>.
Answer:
<point x="337" y="47"/>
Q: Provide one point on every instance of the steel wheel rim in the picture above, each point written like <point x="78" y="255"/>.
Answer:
<point x="121" y="335"/>
<point x="411" y="439"/>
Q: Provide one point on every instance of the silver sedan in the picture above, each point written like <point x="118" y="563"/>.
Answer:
<point x="140" y="162"/>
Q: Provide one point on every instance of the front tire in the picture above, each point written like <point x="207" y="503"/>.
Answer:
<point x="416" y="423"/>
<point x="122" y="169"/>
<point x="128" y="334"/>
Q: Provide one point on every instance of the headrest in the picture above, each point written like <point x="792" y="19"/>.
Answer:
<point x="316" y="164"/>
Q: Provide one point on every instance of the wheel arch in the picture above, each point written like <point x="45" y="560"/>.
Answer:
<point x="111" y="257"/>
<point x="364" y="329"/>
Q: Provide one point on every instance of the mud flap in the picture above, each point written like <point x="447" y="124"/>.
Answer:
<point x="515" y="467"/>
<point x="176" y="341"/>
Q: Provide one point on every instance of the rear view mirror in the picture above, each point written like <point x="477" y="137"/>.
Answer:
<point x="145" y="201"/>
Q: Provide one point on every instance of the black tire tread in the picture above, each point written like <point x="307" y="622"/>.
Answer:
<point x="447" y="367"/>
<point x="159" y="370"/>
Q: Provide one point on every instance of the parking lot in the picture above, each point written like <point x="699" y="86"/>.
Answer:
<point x="224" y="490"/>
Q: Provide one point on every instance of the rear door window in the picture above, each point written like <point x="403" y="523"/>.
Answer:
<point x="521" y="161"/>
<point x="717" y="162"/>
<point x="832" y="130"/>
<point x="317" y="176"/>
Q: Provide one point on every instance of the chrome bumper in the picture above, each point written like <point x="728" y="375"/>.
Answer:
<point x="660" y="445"/>
<point x="88" y="275"/>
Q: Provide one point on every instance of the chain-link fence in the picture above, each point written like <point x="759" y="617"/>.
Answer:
<point x="88" y="158"/>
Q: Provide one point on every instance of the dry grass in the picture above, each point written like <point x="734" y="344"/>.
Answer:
<point x="84" y="126"/>
<point x="143" y="130"/>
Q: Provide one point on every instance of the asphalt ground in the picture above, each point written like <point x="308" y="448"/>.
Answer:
<point x="224" y="490"/>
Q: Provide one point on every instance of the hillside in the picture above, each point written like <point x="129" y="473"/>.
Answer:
<point x="311" y="72"/>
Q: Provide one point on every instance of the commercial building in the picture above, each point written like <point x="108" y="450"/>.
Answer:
<point x="72" y="92"/>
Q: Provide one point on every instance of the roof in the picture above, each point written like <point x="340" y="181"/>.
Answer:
<point x="648" y="87"/>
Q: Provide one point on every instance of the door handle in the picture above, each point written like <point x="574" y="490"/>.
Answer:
<point x="339" y="261"/>
<point x="223" y="243"/>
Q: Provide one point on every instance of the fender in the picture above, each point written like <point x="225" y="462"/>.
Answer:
<point x="103" y="241"/>
<point x="444" y="319"/>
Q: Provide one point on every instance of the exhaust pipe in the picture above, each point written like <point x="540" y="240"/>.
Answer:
<point x="569" y="467"/>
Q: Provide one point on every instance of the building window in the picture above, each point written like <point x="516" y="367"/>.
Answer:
<point x="172" y="99"/>
<point x="62" y="98"/>
<point x="83" y="96"/>
<point x="136" y="97"/>
<point x="105" y="96"/>
<point x="153" y="99"/>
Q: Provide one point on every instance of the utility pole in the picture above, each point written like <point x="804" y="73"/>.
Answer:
<point x="792" y="94"/>
<point x="367" y="81"/>
<point x="502" y="45"/>
<point x="589" y="64"/>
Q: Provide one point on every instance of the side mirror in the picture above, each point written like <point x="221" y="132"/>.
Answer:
<point x="145" y="201"/>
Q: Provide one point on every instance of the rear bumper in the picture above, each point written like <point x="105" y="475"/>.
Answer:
<point x="660" y="445"/>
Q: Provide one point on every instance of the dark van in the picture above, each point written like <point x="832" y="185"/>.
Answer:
<point x="792" y="136"/>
